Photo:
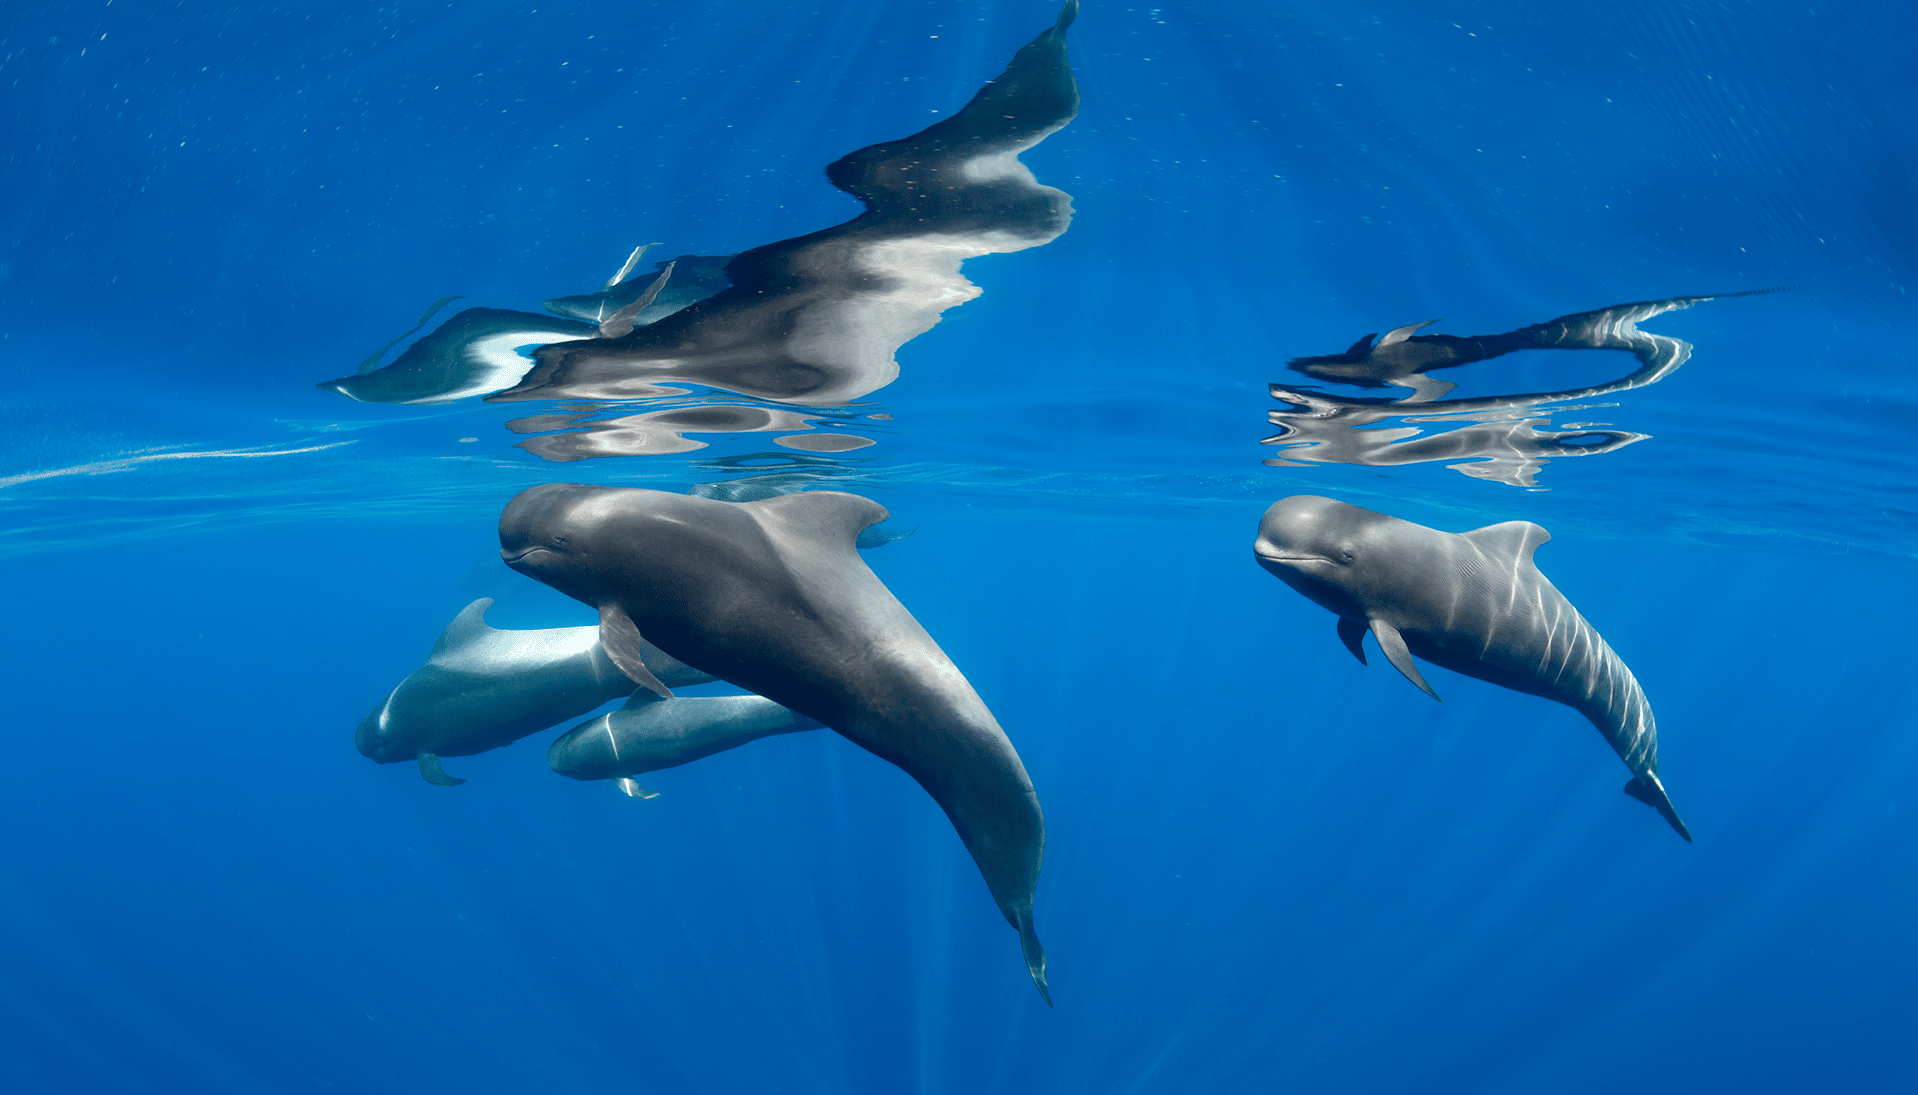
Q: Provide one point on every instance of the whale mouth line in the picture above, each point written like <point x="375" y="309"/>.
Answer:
<point x="510" y="560"/>
<point x="1267" y="556"/>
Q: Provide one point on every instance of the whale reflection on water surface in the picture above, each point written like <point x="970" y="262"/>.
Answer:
<point x="1505" y="438"/>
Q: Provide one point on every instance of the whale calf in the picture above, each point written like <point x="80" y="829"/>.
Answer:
<point x="651" y="732"/>
<point x="483" y="687"/>
<point x="772" y="596"/>
<point x="1472" y="602"/>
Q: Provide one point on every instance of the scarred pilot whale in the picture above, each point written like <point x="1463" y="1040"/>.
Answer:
<point x="1472" y="602"/>
<point x="772" y="596"/>
<point x="483" y="687"/>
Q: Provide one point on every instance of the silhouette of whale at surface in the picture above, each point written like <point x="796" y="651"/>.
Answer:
<point x="815" y="320"/>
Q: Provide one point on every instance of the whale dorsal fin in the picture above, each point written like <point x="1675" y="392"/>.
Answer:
<point x="1509" y="538"/>
<point x="619" y="637"/>
<point x="1400" y="334"/>
<point x="829" y="513"/>
<point x="466" y="627"/>
<point x="1393" y="644"/>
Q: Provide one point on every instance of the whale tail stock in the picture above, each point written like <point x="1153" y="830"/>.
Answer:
<point x="1035" y="952"/>
<point x="1646" y="788"/>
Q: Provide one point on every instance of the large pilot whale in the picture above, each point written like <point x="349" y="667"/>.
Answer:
<point x="483" y="687"/>
<point x="651" y="732"/>
<point x="772" y="596"/>
<point x="1472" y="602"/>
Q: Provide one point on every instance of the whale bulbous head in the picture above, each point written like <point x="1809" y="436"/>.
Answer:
<point x="547" y="533"/>
<point x="379" y="740"/>
<point x="1317" y="546"/>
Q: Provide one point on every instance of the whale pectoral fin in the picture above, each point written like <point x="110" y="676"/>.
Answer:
<point x="619" y="637"/>
<point x="632" y="788"/>
<point x="1393" y="644"/>
<point x="1035" y="954"/>
<point x="431" y="772"/>
<point x="1647" y="789"/>
<point x="1352" y="634"/>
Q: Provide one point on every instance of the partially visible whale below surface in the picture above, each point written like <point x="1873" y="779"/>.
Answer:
<point x="482" y="688"/>
<point x="772" y="596"/>
<point x="1472" y="602"/>
<point x="651" y="732"/>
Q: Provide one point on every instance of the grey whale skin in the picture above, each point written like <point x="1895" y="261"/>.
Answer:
<point x="651" y="732"/>
<point x="1473" y="602"/>
<point x="483" y="687"/>
<point x="771" y="595"/>
<point x="815" y="320"/>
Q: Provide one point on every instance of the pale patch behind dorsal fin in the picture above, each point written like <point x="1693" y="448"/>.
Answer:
<point x="467" y="628"/>
<point x="830" y="515"/>
<point x="1509" y="539"/>
<point x="1393" y="645"/>
<point x="619" y="637"/>
<point x="1400" y="334"/>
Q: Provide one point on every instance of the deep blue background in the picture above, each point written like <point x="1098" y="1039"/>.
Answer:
<point x="1269" y="868"/>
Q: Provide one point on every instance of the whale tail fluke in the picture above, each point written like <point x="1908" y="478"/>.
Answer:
<point x="1647" y="789"/>
<point x="1035" y="952"/>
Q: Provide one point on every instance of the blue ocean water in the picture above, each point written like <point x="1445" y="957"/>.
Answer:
<point x="1268" y="867"/>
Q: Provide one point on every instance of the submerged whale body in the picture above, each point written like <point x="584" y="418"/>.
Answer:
<point x="816" y="320"/>
<point x="1472" y="602"/>
<point x="651" y="732"/>
<point x="483" y="687"/>
<point x="772" y="595"/>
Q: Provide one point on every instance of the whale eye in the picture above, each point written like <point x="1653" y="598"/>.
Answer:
<point x="1345" y="556"/>
<point x="559" y="540"/>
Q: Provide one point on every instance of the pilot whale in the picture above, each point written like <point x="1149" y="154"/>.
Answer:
<point x="1472" y="602"/>
<point x="772" y="596"/>
<point x="483" y="687"/>
<point x="651" y="732"/>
